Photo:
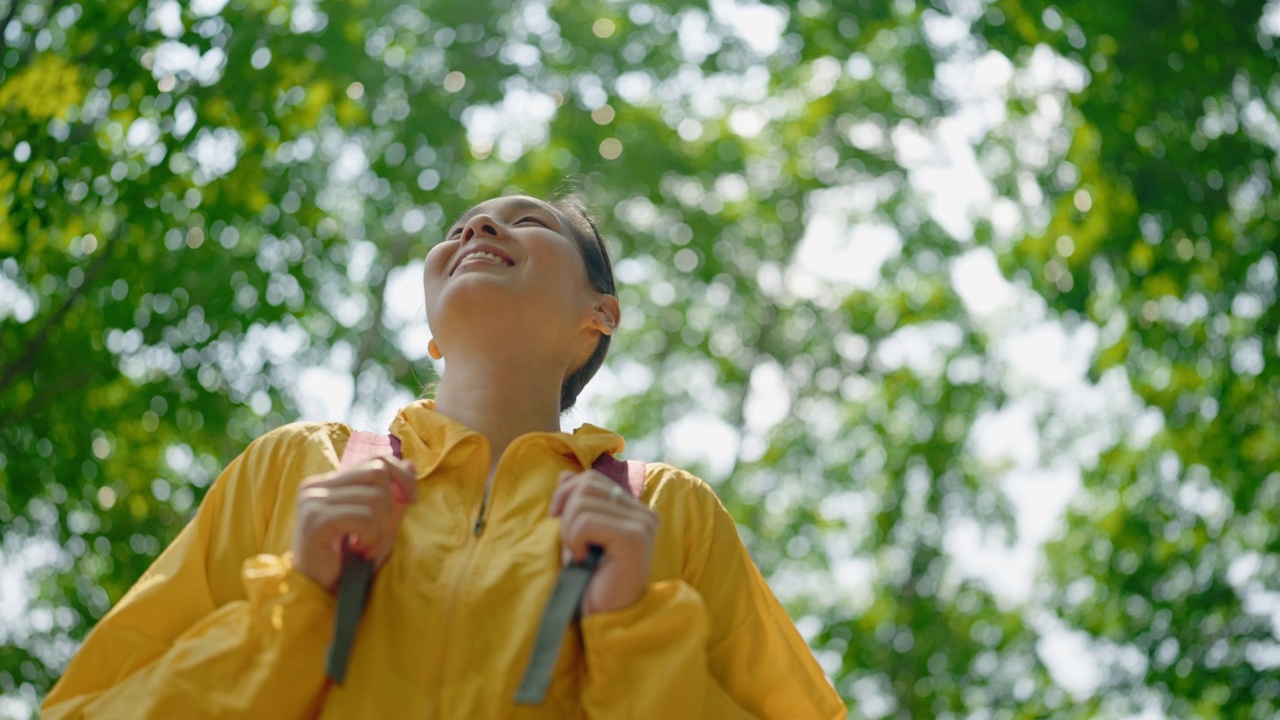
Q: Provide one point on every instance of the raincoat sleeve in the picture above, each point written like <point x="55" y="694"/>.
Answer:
<point x="715" y="643"/>
<point x="221" y="625"/>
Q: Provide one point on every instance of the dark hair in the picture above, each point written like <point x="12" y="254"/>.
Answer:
<point x="595" y="255"/>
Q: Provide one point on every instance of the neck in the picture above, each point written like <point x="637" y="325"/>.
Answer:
<point x="500" y="396"/>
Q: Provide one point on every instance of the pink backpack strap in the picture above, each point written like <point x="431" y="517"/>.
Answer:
<point x="357" y="572"/>
<point x="628" y="474"/>
<point x="362" y="446"/>
<point x="566" y="597"/>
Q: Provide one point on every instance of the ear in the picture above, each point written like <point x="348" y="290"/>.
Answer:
<point x="605" y="314"/>
<point x="434" y="350"/>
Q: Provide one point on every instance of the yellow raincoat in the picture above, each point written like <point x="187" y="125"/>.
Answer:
<point x="223" y="626"/>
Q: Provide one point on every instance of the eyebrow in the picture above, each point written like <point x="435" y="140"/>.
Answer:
<point x="514" y="204"/>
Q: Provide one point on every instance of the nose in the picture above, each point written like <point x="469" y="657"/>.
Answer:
<point x="481" y="224"/>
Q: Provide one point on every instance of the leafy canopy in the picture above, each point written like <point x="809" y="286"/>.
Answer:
<point x="969" y="305"/>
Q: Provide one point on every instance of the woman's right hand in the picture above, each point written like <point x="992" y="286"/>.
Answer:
<point x="365" y="502"/>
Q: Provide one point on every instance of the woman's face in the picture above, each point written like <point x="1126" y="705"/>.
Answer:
<point x="509" y="265"/>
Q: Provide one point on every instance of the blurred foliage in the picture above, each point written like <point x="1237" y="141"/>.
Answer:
<point x="198" y="201"/>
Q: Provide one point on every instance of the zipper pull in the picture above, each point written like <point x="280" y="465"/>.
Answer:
<point x="479" y="527"/>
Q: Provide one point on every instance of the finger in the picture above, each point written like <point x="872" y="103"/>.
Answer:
<point x="371" y="495"/>
<point x="371" y="473"/>
<point x="600" y="484"/>
<point x="380" y="550"/>
<point x="588" y="482"/>
<point x="399" y="476"/>
<point x="327" y="524"/>
<point x="614" y="512"/>
<point x="378" y="471"/>
<point x="404" y="479"/>
<point x="586" y="504"/>
<point x="583" y="503"/>
<point x="384" y="513"/>
<point x="371" y="540"/>
<point x="377" y="498"/>
<point x="564" y="486"/>
<point x="615" y="535"/>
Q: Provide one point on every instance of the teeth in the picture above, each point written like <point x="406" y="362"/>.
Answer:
<point x="485" y="256"/>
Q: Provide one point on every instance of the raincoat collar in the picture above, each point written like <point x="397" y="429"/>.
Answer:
<point x="429" y="439"/>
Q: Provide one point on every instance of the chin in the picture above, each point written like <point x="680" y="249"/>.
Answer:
<point x="489" y="308"/>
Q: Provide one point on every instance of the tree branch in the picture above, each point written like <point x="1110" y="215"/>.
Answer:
<point x="42" y="335"/>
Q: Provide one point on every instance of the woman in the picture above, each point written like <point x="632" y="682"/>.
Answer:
<point x="469" y="530"/>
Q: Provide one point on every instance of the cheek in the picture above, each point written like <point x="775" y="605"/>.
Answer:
<point x="433" y="270"/>
<point x="565" y="266"/>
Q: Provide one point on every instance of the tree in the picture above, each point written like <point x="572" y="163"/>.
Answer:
<point x="1175" y="145"/>
<point x="203" y="203"/>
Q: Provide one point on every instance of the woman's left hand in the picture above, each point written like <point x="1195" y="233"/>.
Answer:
<point x="594" y="510"/>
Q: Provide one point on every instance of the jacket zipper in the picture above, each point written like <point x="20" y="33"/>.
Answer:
<point x="478" y="528"/>
<point x="457" y="583"/>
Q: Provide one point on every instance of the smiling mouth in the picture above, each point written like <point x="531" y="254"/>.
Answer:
<point x="483" y="257"/>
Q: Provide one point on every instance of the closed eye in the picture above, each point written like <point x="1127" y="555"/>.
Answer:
<point x="531" y="218"/>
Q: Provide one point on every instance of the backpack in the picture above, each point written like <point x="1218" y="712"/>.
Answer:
<point x="357" y="577"/>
